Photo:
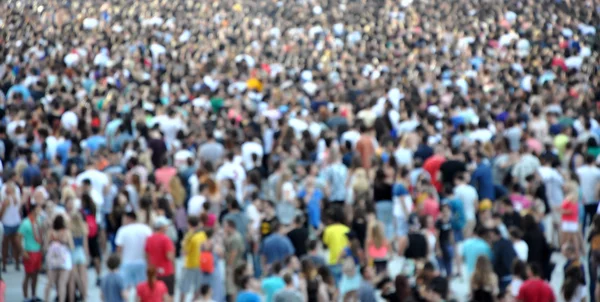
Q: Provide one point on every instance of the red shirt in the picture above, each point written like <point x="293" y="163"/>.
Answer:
<point x="156" y="294"/>
<point x="158" y="245"/>
<point x="572" y="208"/>
<point x="536" y="290"/>
<point x="431" y="208"/>
<point x="432" y="165"/>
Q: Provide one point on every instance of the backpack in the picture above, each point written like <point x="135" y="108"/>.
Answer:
<point x="207" y="262"/>
<point x="58" y="256"/>
<point x="92" y="225"/>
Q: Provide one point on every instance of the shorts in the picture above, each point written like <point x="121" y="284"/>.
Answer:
<point x="169" y="282"/>
<point x="569" y="226"/>
<point x="10" y="230"/>
<point x="94" y="247"/>
<point x="190" y="280"/>
<point x="78" y="256"/>
<point x="133" y="273"/>
<point x="401" y="226"/>
<point x="33" y="263"/>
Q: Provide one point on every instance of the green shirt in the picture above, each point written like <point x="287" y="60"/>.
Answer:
<point x="27" y="231"/>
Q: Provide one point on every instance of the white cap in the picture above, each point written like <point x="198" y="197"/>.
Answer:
<point x="161" y="222"/>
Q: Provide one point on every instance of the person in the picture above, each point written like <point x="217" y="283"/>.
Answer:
<point x="247" y="294"/>
<point x="234" y="254"/>
<point x="539" y="251"/>
<point x="573" y="288"/>
<point x="191" y="243"/>
<point x="160" y="253"/>
<point x="569" y="210"/>
<point x="91" y="212"/>
<point x="313" y="254"/>
<point x="484" y="282"/>
<point x="445" y="247"/>
<point x="31" y="246"/>
<point x="535" y="289"/>
<point x="11" y="219"/>
<point x="378" y="248"/>
<point x="475" y="247"/>
<point x="205" y="294"/>
<point x="468" y="195"/>
<point x="273" y="283"/>
<point x="289" y="293"/>
<point x="152" y="290"/>
<point x="112" y="285"/>
<point x="131" y="242"/>
<point x="437" y="289"/>
<point x="366" y="291"/>
<point x="299" y="237"/>
<point x="334" y="237"/>
<point x="58" y="258"/>
<point x="519" y="275"/>
<point x="503" y="257"/>
<point x="79" y="231"/>
<point x="520" y="246"/>
<point x="276" y="247"/>
<point x="589" y="176"/>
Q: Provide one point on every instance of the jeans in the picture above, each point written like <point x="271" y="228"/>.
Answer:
<point x="336" y="272"/>
<point x="446" y="260"/>
<point x="504" y="282"/>
<point x="384" y="211"/>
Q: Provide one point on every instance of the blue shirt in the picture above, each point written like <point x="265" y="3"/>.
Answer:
<point x="458" y="219"/>
<point x="276" y="248"/>
<point x="271" y="285"/>
<point x="95" y="142"/>
<point x="247" y="296"/>
<point x="29" y="173"/>
<point x="483" y="181"/>
<point x="63" y="150"/>
<point x="314" y="207"/>
<point x="112" y="286"/>
<point x="472" y="249"/>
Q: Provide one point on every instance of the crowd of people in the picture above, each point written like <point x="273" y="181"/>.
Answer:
<point x="292" y="150"/>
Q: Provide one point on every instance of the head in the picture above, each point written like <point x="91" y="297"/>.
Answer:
<point x="193" y="222"/>
<point x="367" y="272"/>
<point x="113" y="262"/>
<point x="519" y="269"/>
<point x="59" y="223"/>
<point x="229" y="227"/>
<point x="129" y="217"/>
<point x="437" y="289"/>
<point x="205" y="291"/>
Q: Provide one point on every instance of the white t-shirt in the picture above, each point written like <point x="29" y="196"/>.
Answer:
<point x="522" y="249"/>
<point x="170" y="127"/>
<point x="98" y="179"/>
<point x="351" y="136"/>
<point x="253" y="215"/>
<point x="515" y="286"/>
<point x="468" y="195"/>
<point x="195" y="205"/>
<point x="235" y="172"/>
<point x="12" y="215"/>
<point x="69" y="120"/>
<point x="131" y="239"/>
<point x="249" y="148"/>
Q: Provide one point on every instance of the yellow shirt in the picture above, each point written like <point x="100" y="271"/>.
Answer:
<point x="336" y="240"/>
<point x="191" y="247"/>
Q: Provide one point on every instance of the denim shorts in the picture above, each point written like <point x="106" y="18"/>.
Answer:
<point x="133" y="273"/>
<point x="10" y="230"/>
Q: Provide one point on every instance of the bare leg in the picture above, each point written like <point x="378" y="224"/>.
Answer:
<point x="71" y="291"/>
<point x="52" y="278"/>
<point x="82" y="280"/>
<point x="24" y="285"/>
<point x="7" y="243"/>
<point x="14" y="239"/>
<point x="63" y="282"/>
<point x="34" y="279"/>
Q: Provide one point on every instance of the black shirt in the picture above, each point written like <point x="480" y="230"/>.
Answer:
<point x="266" y="226"/>
<point x="299" y="237"/>
<point x="417" y="246"/>
<point x="504" y="255"/>
<point x="445" y="229"/>
<point x="450" y="169"/>
<point x="511" y="219"/>
<point x="382" y="192"/>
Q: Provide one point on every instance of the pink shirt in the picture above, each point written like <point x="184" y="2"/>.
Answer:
<point x="431" y="208"/>
<point x="163" y="176"/>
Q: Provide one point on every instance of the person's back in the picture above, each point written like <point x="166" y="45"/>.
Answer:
<point x="472" y="249"/>
<point x="272" y="285"/>
<point x="132" y="240"/>
<point x="288" y="295"/>
<point x="535" y="290"/>
<point x="336" y="240"/>
<point x="112" y="287"/>
<point x="247" y="296"/>
<point x="276" y="248"/>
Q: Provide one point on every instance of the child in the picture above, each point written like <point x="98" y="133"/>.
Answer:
<point x="112" y="286"/>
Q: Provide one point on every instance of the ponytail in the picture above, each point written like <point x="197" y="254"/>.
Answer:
<point x="151" y="274"/>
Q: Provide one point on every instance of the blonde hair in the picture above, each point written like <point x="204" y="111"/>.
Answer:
<point x="377" y="235"/>
<point x="360" y="181"/>
<point x="177" y="191"/>
<point x="66" y="193"/>
<point x="78" y="226"/>
<point x="482" y="276"/>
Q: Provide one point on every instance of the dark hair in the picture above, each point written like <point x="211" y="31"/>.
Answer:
<point x="515" y="232"/>
<point x="204" y="289"/>
<point x="88" y="204"/>
<point x="535" y="269"/>
<point x="287" y="278"/>
<point x="403" y="290"/>
<point x="439" y="285"/>
<point x="312" y="245"/>
<point x="114" y="261"/>
<point x="58" y="223"/>
<point x="573" y="279"/>
<point x="193" y="221"/>
<point x="519" y="268"/>
<point x="230" y="223"/>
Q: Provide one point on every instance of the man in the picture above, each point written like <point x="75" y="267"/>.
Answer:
<point x="482" y="179"/>
<point x="234" y="254"/>
<point x="469" y="197"/>
<point x="299" y="236"/>
<point x="335" y="175"/>
<point x="313" y="254"/>
<point x="160" y="253"/>
<point x="473" y="248"/>
<point x="289" y="293"/>
<point x="336" y="240"/>
<point x="365" y="146"/>
<point x="366" y="291"/>
<point x="534" y="289"/>
<point x="504" y="256"/>
<point x="31" y="247"/>
<point x="276" y="247"/>
<point x="246" y="294"/>
<point x="190" y="248"/>
<point x="211" y="151"/>
<point x="589" y="176"/>
<point x="234" y="171"/>
<point x="131" y="243"/>
<point x="437" y="289"/>
<point x="453" y="166"/>
<point x="273" y="283"/>
<point x="252" y="153"/>
<point x="235" y="214"/>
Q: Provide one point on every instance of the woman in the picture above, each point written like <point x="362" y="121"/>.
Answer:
<point x="569" y="210"/>
<point x="403" y="206"/>
<point x="539" y="251"/>
<point x="484" y="282"/>
<point x="79" y="255"/>
<point x="378" y="248"/>
<point x="115" y="217"/>
<point x="152" y="290"/>
<point x="382" y="196"/>
<point x="312" y="287"/>
<point x="89" y="214"/>
<point x="11" y="219"/>
<point x="58" y="258"/>
<point x="573" y="288"/>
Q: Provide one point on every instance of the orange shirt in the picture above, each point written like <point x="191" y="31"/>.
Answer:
<point x="365" y="147"/>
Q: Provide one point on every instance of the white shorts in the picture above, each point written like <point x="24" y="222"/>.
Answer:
<point x="569" y="226"/>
